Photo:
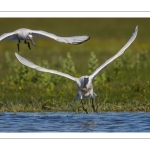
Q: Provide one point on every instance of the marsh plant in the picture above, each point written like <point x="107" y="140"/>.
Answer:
<point x="68" y="65"/>
<point x="93" y="63"/>
<point x="123" y="86"/>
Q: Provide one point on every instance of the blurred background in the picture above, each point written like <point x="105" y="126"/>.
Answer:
<point x="106" y="34"/>
<point x="129" y="73"/>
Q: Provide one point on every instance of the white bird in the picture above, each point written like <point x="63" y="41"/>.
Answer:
<point x="27" y="34"/>
<point x="84" y="83"/>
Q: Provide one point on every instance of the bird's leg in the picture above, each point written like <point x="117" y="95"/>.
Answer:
<point x="28" y="44"/>
<point x="18" y="45"/>
<point x="84" y="107"/>
<point x="93" y="106"/>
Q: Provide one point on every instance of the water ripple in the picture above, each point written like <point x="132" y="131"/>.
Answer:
<point x="72" y="122"/>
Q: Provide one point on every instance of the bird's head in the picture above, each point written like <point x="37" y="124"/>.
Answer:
<point x="31" y="38"/>
<point x="85" y="82"/>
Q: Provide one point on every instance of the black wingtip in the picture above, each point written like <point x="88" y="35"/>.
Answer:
<point x="84" y="40"/>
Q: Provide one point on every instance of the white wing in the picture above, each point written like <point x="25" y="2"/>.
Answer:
<point x="32" y="65"/>
<point x="68" y="40"/>
<point x="97" y="71"/>
<point x="10" y="35"/>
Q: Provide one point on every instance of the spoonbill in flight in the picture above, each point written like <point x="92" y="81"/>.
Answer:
<point x="28" y="34"/>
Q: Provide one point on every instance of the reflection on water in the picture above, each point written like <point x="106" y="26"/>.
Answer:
<point x="72" y="122"/>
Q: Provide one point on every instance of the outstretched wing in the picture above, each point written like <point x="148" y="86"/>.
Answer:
<point x="10" y="35"/>
<point x="32" y="65"/>
<point x="68" y="40"/>
<point x="97" y="71"/>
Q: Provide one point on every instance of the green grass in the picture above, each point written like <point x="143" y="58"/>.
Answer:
<point x="124" y="85"/>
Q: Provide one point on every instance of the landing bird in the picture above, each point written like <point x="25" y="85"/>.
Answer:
<point x="27" y="34"/>
<point x="84" y="83"/>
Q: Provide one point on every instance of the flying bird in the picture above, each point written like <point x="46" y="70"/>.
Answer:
<point x="28" y="34"/>
<point x="84" y="83"/>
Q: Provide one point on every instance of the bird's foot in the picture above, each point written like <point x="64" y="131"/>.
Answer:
<point x="28" y="44"/>
<point x="85" y="110"/>
<point x="94" y="108"/>
<point x="18" y="47"/>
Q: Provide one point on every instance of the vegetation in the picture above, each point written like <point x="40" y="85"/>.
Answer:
<point x="124" y="85"/>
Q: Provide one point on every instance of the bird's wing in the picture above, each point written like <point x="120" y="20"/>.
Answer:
<point x="97" y="71"/>
<point x="10" y="35"/>
<point x="32" y="65"/>
<point x="68" y="40"/>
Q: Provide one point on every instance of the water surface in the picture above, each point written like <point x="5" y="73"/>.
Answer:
<point x="72" y="122"/>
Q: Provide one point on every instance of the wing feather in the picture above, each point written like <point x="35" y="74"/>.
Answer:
<point x="121" y="51"/>
<point x="11" y="35"/>
<point x="68" y="40"/>
<point x="32" y="65"/>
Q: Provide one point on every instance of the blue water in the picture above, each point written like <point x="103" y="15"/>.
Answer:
<point x="72" y="122"/>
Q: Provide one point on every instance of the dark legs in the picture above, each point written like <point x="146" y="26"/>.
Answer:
<point x="93" y="106"/>
<point x="28" y="44"/>
<point x="84" y="107"/>
<point x="18" y="45"/>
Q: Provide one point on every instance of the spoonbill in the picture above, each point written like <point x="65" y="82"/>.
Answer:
<point x="28" y="34"/>
<point x="84" y="83"/>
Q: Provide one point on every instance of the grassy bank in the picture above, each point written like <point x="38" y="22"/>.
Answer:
<point x="124" y="85"/>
